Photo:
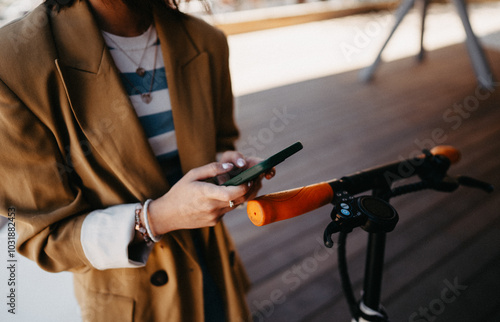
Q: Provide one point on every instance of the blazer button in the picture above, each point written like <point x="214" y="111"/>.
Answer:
<point x="159" y="278"/>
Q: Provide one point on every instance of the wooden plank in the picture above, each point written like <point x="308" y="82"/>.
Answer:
<point x="424" y="289"/>
<point x="345" y="127"/>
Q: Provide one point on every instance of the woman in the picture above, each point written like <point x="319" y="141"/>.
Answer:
<point x="111" y="115"/>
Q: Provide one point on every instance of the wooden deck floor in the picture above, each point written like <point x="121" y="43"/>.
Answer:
<point x="347" y="126"/>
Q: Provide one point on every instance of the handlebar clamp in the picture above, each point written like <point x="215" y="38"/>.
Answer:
<point x="370" y="213"/>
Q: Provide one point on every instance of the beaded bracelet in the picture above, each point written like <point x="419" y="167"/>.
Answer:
<point x="139" y="227"/>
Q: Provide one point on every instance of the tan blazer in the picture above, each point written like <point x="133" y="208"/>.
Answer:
<point x="71" y="143"/>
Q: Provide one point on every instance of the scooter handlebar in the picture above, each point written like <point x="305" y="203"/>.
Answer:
<point x="287" y="204"/>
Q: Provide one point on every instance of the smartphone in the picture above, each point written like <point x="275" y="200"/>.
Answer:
<point x="264" y="166"/>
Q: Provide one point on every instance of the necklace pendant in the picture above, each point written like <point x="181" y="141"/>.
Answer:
<point x="140" y="71"/>
<point x="146" y="98"/>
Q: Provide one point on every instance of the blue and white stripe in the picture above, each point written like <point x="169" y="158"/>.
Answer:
<point x="155" y="117"/>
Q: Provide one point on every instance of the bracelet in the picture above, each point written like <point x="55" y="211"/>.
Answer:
<point x="139" y="227"/>
<point x="146" y="223"/>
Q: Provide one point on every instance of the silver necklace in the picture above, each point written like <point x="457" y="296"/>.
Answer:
<point x="146" y="97"/>
<point x="140" y="70"/>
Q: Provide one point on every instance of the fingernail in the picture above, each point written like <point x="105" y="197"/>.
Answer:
<point x="226" y="166"/>
<point x="240" y="162"/>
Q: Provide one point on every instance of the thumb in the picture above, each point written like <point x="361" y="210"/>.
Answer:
<point x="210" y="170"/>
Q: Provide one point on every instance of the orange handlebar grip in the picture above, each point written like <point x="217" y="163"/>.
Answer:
<point x="448" y="151"/>
<point x="288" y="204"/>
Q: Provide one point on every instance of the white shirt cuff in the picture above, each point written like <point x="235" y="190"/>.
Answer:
<point x="106" y="235"/>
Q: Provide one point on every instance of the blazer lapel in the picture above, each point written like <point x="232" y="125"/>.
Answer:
<point x="189" y="81"/>
<point x="100" y="103"/>
<point x="187" y="71"/>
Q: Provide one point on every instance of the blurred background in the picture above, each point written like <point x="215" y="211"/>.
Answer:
<point x="300" y="62"/>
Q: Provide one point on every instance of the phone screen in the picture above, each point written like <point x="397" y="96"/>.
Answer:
<point x="263" y="166"/>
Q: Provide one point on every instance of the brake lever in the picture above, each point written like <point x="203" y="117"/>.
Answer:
<point x="447" y="184"/>
<point x="331" y="229"/>
<point x="475" y="183"/>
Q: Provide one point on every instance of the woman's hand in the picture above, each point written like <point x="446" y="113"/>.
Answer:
<point x="242" y="164"/>
<point x="193" y="203"/>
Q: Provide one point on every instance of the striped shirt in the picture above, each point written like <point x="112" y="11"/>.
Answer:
<point x="156" y="118"/>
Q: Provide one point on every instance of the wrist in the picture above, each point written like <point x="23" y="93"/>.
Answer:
<point x="165" y="214"/>
<point x="161" y="221"/>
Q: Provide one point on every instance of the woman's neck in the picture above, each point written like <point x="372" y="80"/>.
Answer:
<point x="117" y="18"/>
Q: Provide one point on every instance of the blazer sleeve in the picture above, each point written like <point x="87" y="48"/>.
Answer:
<point x="49" y="211"/>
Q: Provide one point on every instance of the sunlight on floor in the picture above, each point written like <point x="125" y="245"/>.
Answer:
<point x="270" y="58"/>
